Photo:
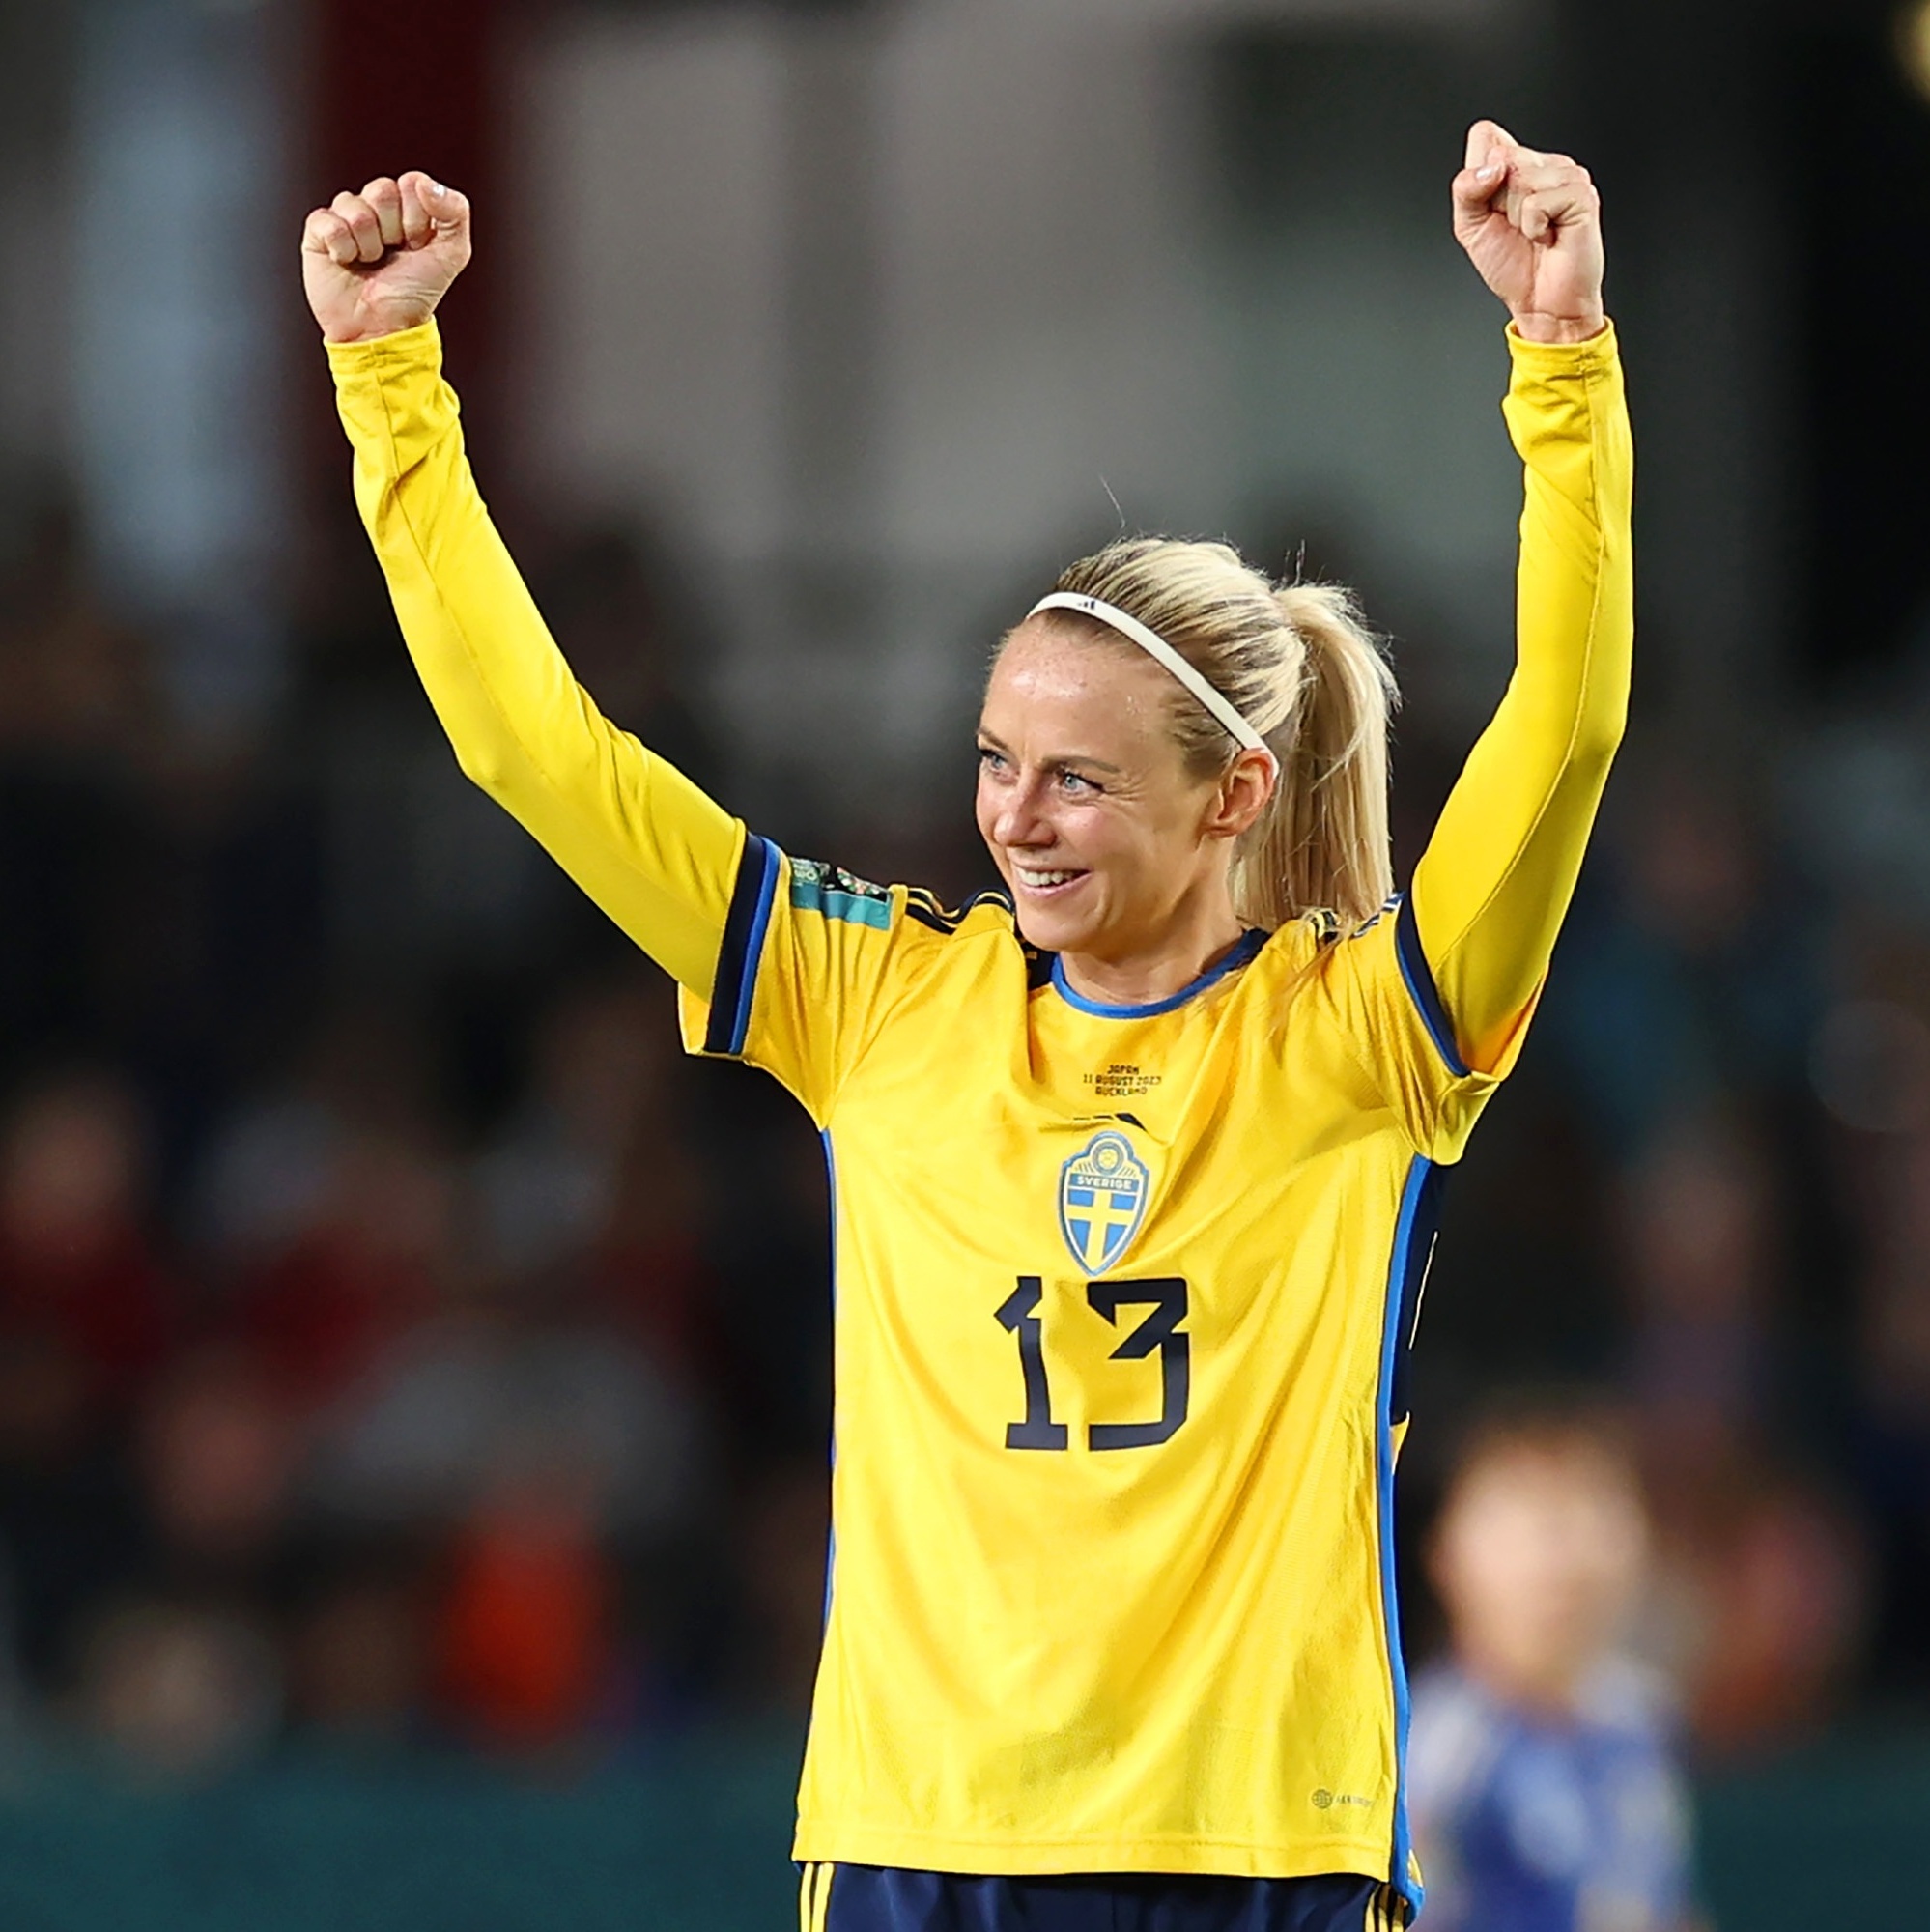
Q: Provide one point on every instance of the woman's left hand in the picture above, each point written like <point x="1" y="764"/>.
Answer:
<point x="1532" y="224"/>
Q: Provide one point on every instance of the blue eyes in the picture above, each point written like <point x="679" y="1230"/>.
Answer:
<point x="1074" y="783"/>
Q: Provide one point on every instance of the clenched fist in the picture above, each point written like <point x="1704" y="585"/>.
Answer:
<point x="379" y="260"/>
<point x="1532" y="224"/>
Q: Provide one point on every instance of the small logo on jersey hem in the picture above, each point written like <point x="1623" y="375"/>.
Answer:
<point x="1104" y="1191"/>
<point x="1324" y="1800"/>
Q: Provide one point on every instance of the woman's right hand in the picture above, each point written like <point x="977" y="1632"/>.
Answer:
<point x="380" y="261"/>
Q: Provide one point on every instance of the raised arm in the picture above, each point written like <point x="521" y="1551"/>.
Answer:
<point x="646" y="843"/>
<point x="1492" y="889"/>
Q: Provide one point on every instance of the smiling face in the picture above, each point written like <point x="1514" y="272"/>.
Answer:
<point x="1108" y="844"/>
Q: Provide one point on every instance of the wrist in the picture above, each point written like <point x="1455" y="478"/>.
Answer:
<point x="1538" y="326"/>
<point x="357" y="352"/>
<point x="340" y="335"/>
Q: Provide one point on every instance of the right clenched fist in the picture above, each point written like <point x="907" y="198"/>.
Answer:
<point x="379" y="260"/>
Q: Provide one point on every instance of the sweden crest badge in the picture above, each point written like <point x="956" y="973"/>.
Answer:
<point x="1102" y="1194"/>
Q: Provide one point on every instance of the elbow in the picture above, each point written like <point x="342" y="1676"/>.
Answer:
<point x="1603" y="713"/>
<point x="1597" y="738"/>
<point x="485" y="767"/>
<point x="1603" y="724"/>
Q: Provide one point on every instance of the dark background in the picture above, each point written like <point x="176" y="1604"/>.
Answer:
<point x="413" y="1377"/>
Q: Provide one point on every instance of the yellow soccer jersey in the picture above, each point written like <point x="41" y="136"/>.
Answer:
<point x="1123" y="1295"/>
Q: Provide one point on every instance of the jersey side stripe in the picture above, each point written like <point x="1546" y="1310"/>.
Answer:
<point x="1411" y="1241"/>
<point x="830" y="1534"/>
<point x="742" y="946"/>
<point x="1420" y="979"/>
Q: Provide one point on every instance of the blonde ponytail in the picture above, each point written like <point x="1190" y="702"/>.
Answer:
<point x="1300" y="667"/>
<point x="1322" y="840"/>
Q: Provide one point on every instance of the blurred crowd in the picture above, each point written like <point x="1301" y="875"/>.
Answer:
<point x="401" y="1345"/>
<point x="398" y="1346"/>
<point x="1702" y="1212"/>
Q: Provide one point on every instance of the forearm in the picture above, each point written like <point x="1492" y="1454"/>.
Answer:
<point x="647" y="845"/>
<point x="1495" y="884"/>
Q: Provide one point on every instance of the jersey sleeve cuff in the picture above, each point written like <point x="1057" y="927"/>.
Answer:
<point x="742" y="946"/>
<point x="1562" y="359"/>
<point x="401" y="351"/>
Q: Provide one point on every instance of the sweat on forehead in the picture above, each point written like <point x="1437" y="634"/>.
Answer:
<point x="1046" y="676"/>
<point x="1161" y="653"/>
<point x="1060" y="657"/>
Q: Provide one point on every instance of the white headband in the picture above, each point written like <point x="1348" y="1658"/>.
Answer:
<point x="1155" y="646"/>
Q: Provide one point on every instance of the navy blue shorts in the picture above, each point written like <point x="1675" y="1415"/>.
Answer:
<point x="870" y="1898"/>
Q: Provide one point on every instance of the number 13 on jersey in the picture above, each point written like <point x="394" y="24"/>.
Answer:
<point x="1165" y="1297"/>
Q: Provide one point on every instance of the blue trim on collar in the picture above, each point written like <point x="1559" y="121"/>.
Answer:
<point x="1245" y="949"/>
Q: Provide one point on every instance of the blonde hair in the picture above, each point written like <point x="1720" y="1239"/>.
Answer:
<point x="1299" y="666"/>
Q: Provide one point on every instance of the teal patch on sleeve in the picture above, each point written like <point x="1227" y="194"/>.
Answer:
<point x="832" y="893"/>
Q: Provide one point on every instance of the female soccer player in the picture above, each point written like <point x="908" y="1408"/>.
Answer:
<point x="1133" y="1163"/>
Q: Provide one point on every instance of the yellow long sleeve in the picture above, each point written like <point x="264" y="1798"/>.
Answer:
<point x="649" y="847"/>
<point x="1494" y="883"/>
<point x="662" y="859"/>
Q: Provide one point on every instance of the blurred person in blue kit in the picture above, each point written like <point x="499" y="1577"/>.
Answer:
<point x="1545" y="1794"/>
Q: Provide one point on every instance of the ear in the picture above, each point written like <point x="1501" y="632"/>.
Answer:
<point x="1242" y="794"/>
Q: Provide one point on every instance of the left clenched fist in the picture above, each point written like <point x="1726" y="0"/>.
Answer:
<point x="1532" y="224"/>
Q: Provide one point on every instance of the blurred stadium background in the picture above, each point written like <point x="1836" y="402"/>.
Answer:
<point x="414" y="1379"/>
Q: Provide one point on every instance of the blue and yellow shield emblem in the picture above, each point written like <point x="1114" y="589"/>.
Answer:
<point x="1102" y="1194"/>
